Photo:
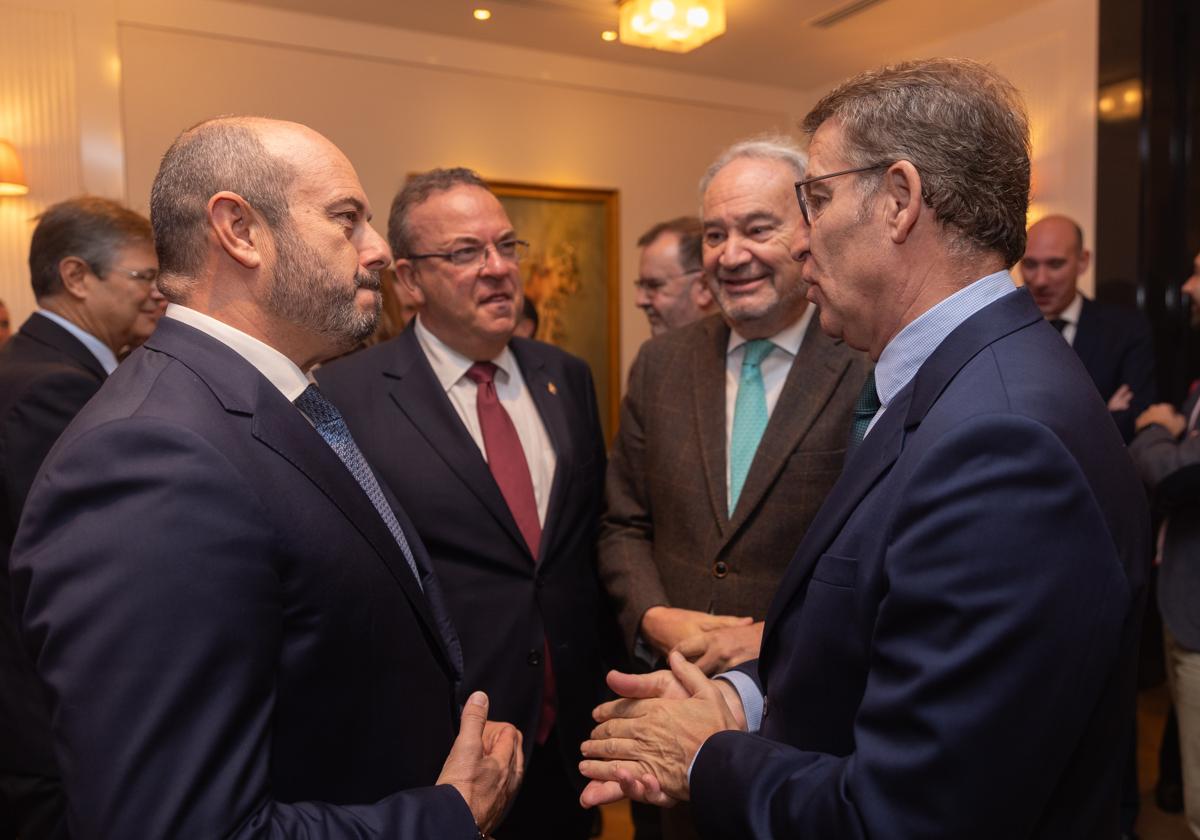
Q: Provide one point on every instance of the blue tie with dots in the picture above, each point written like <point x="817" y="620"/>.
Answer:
<point x="332" y="428"/>
<point x="749" y="417"/>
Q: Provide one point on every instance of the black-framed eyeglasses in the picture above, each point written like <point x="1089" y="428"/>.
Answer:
<point x="510" y="250"/>
<point x="146" y="275"/>
<point x="812" y="206"/>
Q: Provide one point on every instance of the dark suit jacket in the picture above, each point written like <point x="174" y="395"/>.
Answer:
<point x="667" y="536"/>
<point x="952" y="651"/>
<point x="1170" y="468"/>
<point x="1115" y="346"/>
<point x="234" y="641"/>
<point x="46" y="377"/>
<point x="503" y="605"/>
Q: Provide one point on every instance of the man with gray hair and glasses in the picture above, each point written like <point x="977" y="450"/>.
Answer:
<point x="93" y="268"/>
<point x="671" y="288"/>
<point x="952" y="650"/>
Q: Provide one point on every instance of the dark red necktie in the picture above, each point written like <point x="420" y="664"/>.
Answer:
<point x="506" y="460"/>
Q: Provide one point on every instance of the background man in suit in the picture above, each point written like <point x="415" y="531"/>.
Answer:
<point x="92" y="267"/>
<point x="689" y="546"/>
<point x="671" y="288"/>
<point x="1114" y="343"/>
<point x="493" y="445"/>
<point x="242" y="638"/>
<point x="984" y="545"/>
<point x="1166" y="451"/>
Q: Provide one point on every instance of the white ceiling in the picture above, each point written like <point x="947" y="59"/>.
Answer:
<point x="769" y="42"/>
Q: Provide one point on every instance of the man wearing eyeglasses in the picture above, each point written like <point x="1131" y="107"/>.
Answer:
<point x="93" y="269"/>
<point x="671" y="288"/>
<point x="493" y="446"/>
<point x="952" y="650"/>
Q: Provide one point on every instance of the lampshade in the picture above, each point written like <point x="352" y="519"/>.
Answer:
<point x="672" y="25"/>
<point x="12" y="176"/>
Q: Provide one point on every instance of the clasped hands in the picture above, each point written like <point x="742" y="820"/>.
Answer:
<point x="646" y="741"/>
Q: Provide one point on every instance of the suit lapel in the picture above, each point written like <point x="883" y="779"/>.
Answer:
<point x="417" y="393"/>
<point x="45" y="331"/>
<point x="883" y="445"/>
<point x="550" y="406"/>
<point x="708" y="398"/>
<point x="1088" y="341"/>
<point x="810" y="383"/>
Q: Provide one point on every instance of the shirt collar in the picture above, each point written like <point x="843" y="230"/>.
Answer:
<point x="449" y="365"/>
<point x="1071" y="313"/>
<point x="279" y="370"/>
<point x="788" y="339"/>
<point x="103" y="353"/>
<point x="904" y="354"/>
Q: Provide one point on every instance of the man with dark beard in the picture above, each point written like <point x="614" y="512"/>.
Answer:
<point x="241" y="631"/>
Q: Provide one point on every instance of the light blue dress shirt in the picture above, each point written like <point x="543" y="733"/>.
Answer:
<point x="103" y="353"/>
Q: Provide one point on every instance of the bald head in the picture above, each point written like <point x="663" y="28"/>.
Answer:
<point x="1053" y="262"/>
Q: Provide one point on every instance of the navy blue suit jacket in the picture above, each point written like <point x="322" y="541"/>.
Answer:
<point x="235" y="644"/>
<point x="951" y="652"/>
<point x="1115" y="346"/>
<point x="505" y="603"/>
<point x="46" y="377"/>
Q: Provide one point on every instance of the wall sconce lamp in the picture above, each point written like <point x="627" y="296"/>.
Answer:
<point x="12" y="176"/>
<point x="671" y="25"/>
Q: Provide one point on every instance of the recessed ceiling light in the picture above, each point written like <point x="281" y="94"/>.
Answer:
<point x="608" y="35"/>
<point x="482" y="14"/>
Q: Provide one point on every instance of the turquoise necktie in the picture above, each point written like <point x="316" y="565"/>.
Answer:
<point x="749" y="417"/>
<point x="865" y="409"/>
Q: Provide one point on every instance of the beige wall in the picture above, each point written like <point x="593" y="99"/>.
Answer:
<point x="132" y="73"/>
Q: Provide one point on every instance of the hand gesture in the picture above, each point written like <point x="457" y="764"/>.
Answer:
<point x="485" y="764"/>
<point x="665" y="627"/>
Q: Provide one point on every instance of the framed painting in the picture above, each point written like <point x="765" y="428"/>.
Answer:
<point x="571" y="276"/>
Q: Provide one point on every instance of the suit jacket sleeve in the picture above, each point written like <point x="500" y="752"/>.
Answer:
<point x="1004" y="592"/>
<point x="626" y="551"/>
<point x="32" y="426"/>
<point x="1169" y="467"/>
<point x="156" y="619"/>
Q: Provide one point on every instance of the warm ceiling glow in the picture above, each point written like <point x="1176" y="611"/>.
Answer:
<point x="482" y="14"/>
<point x="12" y="176"/>
<point x="608" y="35"/>
<point x="673" y="25"/>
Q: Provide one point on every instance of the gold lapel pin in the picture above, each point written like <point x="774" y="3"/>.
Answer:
<point x="552" y="388"/>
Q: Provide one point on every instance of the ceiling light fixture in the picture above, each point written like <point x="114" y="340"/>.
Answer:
<point x="482" y="14"/>
<point x="608" y="35"/>
<point x="12" y="176"/>
<point x="672" y="25"/>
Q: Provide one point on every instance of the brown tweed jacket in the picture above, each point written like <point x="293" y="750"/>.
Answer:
<point x="666" y="536"/>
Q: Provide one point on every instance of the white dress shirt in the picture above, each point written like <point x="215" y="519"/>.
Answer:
<point x="103" y="353"/>
<point x="279" y="370"/>
<point x="450" y="367"/>
<point x="774" y="369"/>
<point x="1071" y="316"/>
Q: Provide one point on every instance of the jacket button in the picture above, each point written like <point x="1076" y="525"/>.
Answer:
<point x="766" y="706"/>
<point x="534" y="658"/>
<point x="720" y="569"/>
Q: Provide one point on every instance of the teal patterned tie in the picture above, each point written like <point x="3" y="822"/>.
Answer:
<point x="749" y="417"/>
<point x="865" y="409"/>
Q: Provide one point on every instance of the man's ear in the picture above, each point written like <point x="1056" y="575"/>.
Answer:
<point x="406" y="276"/>
<point x="1085" y="259"/>
<point x="237" y="228"/>
<point x="73" y="273"/>
<point x="702" y="294"/>
<point x="902" y="186"/>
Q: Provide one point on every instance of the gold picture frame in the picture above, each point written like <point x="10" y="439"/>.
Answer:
<point x="572" y="276"/>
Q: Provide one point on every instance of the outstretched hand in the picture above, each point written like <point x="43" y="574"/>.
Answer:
<point x="485" y="764"/>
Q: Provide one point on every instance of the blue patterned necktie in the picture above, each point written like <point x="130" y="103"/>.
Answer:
<point x="332" y="428"/>
<point x="749" y="417"/>
<point x="865" y="409"/>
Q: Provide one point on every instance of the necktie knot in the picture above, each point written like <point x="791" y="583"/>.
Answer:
<point x="756" y="351"/>
<point x="481" y="373"/>
<point x="865" y="408"/>
<point x="1058" y="323"/>
<point x="316" y="408"/>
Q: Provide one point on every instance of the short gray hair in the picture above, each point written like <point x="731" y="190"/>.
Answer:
<point x="778" y="147"/>
<point x="961" y="124"/>
<point x="415" y="192"/>
<point x="220" y="154"/>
